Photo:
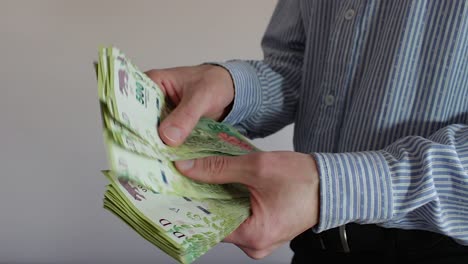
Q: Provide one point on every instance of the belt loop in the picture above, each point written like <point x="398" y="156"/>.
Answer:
<point x="344" y="239"/>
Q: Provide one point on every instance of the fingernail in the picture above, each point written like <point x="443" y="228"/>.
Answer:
<point x="184" y="164"/>
<point x="174" y="134"/>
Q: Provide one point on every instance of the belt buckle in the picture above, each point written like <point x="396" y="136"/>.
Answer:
<point x="335" y="239"/>
<point x="344" y="239"/>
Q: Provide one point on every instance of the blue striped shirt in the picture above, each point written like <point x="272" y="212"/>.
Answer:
<point x="378" y="94"/>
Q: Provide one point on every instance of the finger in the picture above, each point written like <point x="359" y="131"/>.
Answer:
<point x="245" y="237"/>
<point x="156" y="77"/>
<point x="253" y="248"/>
<point x="180" y="122"/>
<point x="237" y="236"/>
<point x="254" y="244"/>
<point x="259" y="253"/>
<point x="218" y="169"/>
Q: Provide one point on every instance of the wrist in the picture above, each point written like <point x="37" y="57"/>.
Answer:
<point x="354" y="187"/>
<point x="247" y="93"/>
<point x="312" y="176"/>
<point x="226" y="84"/>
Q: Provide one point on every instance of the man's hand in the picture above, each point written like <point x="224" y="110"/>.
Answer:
<point x="284" y="188"/>
<point x="203" y="90"/>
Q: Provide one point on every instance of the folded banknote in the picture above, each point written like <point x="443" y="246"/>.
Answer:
<point x="182" y="217"/>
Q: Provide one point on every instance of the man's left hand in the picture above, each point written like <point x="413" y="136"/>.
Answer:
<point x="284" y="195"/>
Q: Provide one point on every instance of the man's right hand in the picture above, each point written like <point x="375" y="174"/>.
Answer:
<point x="202" y="90"/>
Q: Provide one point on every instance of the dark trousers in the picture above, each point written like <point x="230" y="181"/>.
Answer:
<point x="373" y="244"/>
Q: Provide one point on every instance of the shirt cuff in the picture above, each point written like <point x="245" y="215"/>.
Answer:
<point x="247" y="91"/>
<point x="354" y="187"/>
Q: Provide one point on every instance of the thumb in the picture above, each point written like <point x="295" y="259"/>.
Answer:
<point x="217" y="169"/>
<point x="181" y="121"/>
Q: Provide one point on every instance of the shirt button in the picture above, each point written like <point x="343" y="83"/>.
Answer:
<point x="329" y="100"/>
<point x="349" y="14"/>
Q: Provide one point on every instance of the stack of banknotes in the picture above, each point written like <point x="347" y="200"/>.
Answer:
<point x="182" y="217"/>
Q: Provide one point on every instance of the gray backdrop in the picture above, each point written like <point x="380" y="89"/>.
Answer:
<point x="51" y="149"/>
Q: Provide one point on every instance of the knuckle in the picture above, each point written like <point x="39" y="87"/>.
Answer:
<point x="215" y="165"/>
<point x="257" y="242"/>
<point x="258" y="254"/>
<point x="262" y="164"/>
<point x="189" y="113"/>
<point x="258" y="245"/>
<point x="153" y="74"/>
<point x="157" y="77"/>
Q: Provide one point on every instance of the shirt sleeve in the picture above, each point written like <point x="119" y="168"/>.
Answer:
<point x="266" y="91"/>
<point x="414" y="183"/>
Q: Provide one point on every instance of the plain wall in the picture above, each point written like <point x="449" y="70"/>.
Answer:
<point x="51" y="148"/>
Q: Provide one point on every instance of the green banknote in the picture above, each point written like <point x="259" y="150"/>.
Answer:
<point x="136" y="101"/>
<point x="132" y="107"/>
<point x="183" y="227"/>
<point x="160" y="175"/>
<point x="184" y="218"/>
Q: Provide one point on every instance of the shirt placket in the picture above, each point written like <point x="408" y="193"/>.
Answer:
<point x="340" y="68"/>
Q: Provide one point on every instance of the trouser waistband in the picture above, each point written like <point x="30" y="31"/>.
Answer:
<point x="372" y="241"/>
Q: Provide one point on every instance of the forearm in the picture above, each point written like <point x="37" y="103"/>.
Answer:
<point x="414" y="183"/>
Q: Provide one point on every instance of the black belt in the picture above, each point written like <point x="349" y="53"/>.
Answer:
<point x="376" y="242"/>
<point x="346" y="238"/>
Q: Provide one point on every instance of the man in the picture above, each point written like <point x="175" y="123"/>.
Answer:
<point x="378" y="94"/>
